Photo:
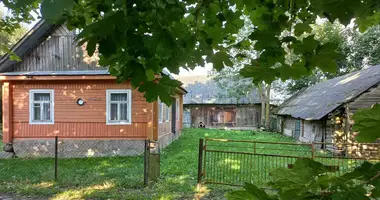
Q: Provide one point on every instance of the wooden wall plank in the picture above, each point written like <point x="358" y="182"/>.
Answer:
<point x="7" y="112"/>
<point x="79" y="130"/>
<point x="59" y="52"/>
<point x="72" y="120"/>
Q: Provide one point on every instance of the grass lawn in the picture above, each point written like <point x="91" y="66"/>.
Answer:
<point x="121" y="177"/>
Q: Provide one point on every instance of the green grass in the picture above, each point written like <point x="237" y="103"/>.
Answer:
<point x="122" y="177"/>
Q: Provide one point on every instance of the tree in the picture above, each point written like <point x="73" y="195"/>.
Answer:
<point x="233" y="86"/>
<point x="358" y="50"/>
<point x="138" y="38"/>
<point x="328" y="32"/>
<point x="7" y="40"/>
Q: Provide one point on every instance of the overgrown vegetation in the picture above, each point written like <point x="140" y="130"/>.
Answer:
<point x="121" y="177"/>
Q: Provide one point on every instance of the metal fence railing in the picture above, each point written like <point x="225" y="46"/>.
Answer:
<point x="81" y="162"/>
<point x="235" y="162"/>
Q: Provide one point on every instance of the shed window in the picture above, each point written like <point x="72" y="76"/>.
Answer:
<point x="41" y="109"/>
<point x="119" y="106"/>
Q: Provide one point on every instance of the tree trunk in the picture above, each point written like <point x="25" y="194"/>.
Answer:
<point x="262" y="99"/>
<point x="268" y="87"/>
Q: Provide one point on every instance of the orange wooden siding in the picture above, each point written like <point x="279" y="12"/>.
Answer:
<point x="7" y="112"/>
<point x="73" y="121"/>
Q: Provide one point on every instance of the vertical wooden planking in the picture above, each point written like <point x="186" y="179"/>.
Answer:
<point x="155" y="121"/>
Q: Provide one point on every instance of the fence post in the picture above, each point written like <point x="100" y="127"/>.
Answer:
<point x="254" y="148"/>
<point x="200" y="159"/>
<point x="56" y="159"/>
<point x="146" y="162"/>
<point x="312" y="150"/>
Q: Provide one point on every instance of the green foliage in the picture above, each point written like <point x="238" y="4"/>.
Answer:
<point x="136" y="36"/>
<point x="233" y="86"/>
<point x="309" y="179"/>
<point x="7" y="40"/>
<point x="367" y="124"/>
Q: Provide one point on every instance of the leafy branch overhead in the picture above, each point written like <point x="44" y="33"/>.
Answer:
<point x="309" y="179"/>
<point x="136" y="36"/>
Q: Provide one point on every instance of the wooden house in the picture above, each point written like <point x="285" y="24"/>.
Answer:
<point x="322" y="112"/>
<point x="58" y="90"/>
<point x="204" y="104"/>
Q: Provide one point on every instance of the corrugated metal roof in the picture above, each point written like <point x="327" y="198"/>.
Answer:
<point x="203" y="90"/>
<point x="58" y="73"/>
<point x="315" y="102"/>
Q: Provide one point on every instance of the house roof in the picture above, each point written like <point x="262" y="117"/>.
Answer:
<point x="57" y="73"/>
<point x="315" y="102"/>
<point x="203" y="90"/>
<point x="33" y="37"/>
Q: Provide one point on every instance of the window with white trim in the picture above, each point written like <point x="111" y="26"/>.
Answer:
<point x="167" y="114"/>
<point x="41" y="106"/>
<point x="177" y="109"/>
<point x="119" y="105"/>
<point x="160" y="111"/>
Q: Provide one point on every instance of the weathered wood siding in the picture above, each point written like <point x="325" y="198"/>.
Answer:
<point x="246" y="115"/>
<point x="59" y="52"/>
<point x="73" y="121"/>
<point x="311" y="130"/>
<point x="365" y="100"/>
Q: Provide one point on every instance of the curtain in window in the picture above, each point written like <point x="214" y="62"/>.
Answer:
<point x="42" y="100"/>
<point x="119" y="107"/>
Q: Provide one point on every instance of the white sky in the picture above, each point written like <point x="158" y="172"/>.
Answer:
<point x="196" y="71"/>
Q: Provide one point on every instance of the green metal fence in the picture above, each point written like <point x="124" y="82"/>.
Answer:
<point x="235" y="162"/>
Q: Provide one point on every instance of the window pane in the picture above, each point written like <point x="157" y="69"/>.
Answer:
<point x="119" y="97"/>
<point x="113" y="111"/>
<point x="41" y="96"/>
<point x="37" y="112"/>
<point x="124" y="112"/>
<point x="46" y="111"/>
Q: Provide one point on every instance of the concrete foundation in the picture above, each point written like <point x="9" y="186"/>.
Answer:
<point x="78" y="148"/>
<point x="166" y="139"/>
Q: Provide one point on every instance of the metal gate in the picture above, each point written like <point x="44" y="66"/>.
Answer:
<point x="235" y="162"/>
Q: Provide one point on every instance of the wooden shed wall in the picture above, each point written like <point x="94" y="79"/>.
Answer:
<point x="73" y="121"/>
<point x="59" y="52"/>
<point x="365" y="100"/>
<point x="246" y="115"/>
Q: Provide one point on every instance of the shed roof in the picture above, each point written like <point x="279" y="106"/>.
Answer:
<point x="315" y="102"/>
<point x="203" y="90"/>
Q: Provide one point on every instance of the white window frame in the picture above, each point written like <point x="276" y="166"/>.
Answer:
<point x="167" y="113"/>
<point x="160" y="111"/>
<point x="108" y="107"/>
<point x="177" y="109"/>
<point x="31" y="105"/>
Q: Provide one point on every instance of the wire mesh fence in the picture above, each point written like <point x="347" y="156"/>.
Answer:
<point x="84" y="163"/>
<point x="235" y="162"/>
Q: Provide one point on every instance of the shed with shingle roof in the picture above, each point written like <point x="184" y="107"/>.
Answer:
<point x="312" y="113"/>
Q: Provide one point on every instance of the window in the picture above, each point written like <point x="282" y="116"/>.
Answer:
<point x="167" y="113"/>
<point x="41" y="107"/>
<point x="177" y="109"/>
<point x="160" y="111"/>
<point x="119" y="106"/>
